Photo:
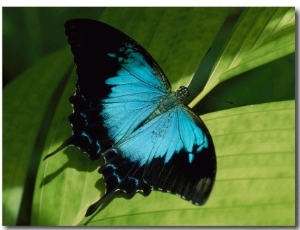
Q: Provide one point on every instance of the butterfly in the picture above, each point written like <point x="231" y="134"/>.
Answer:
<point x="124" y="111"/>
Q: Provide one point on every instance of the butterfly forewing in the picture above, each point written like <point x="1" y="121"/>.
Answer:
<point x="118" y="85"/>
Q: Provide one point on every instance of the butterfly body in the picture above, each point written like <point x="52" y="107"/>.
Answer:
<point x="125" y="111"/>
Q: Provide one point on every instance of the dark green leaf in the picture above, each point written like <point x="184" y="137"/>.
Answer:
<point x="261" y="36"/>
<point x="28" y="106"/>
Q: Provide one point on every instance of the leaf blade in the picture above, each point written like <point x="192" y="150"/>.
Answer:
<point x="254" y="158"/>
<point x="261" y="36"/>
<point x="23" y="110"/>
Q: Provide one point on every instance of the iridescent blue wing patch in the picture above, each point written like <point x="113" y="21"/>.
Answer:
<point x="176" y="152"/>
<point x="124" y="110"/>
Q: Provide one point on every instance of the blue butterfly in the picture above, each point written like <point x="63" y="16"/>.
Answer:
<point x="125" y="111"/>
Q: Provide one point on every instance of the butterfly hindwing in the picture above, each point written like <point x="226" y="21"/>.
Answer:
<point x="177" y="152"/>
<point x="121" y="174"/>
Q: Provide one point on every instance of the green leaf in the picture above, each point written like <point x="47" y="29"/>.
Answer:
<point x="255" y="183"/>
<point x="261" y="36"/>
<point x="35" y="111"/>
<point x="26" y="107"/>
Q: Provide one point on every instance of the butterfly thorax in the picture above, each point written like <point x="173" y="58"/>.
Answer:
<point x="169" y="102"/>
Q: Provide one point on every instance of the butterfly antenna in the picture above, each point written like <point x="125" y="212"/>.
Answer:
<point x="63" y="145"/>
